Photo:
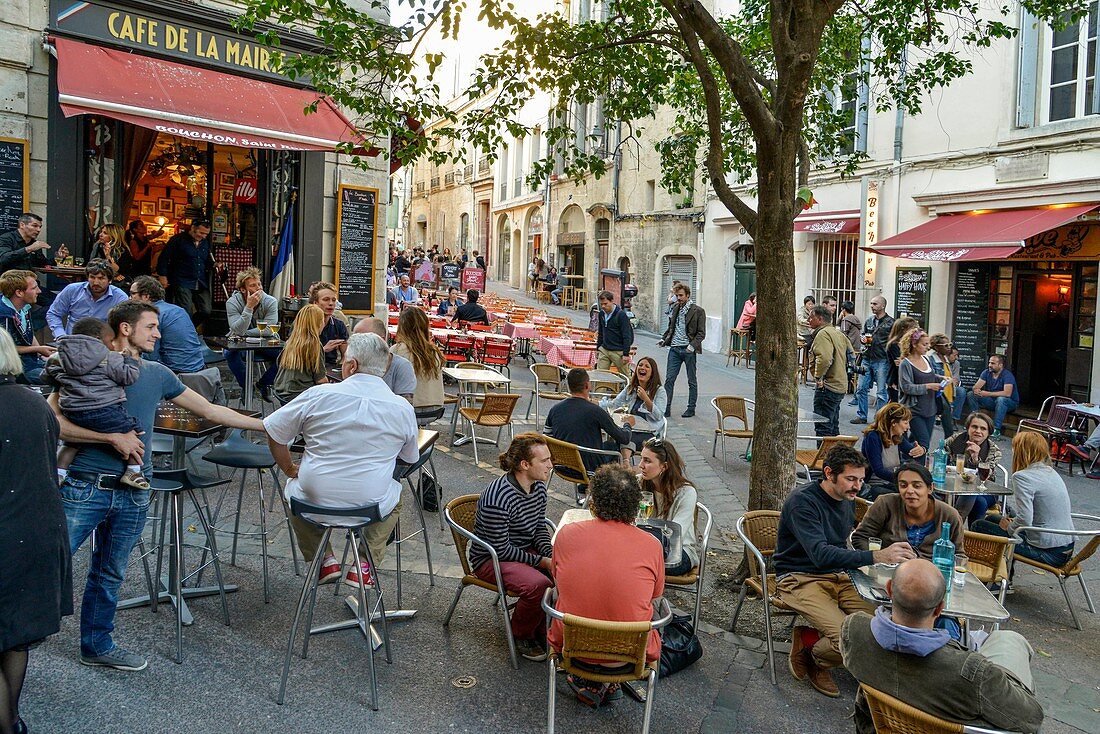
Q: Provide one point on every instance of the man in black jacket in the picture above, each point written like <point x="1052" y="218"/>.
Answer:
<point x="579" y="421"/>
<point x="614" y="335"/>
<point x="20" y="249"/>
<point x="811" y="559"/>
<point x="687" y="327"/>
<point x="876" y="330"/>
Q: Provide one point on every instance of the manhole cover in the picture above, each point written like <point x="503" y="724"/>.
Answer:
<point x="464" y="681"/>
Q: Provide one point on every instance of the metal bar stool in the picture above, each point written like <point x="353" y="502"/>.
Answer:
<point x="351" y="520"/>
<point x="237" y="452"/>
<point x="170" y="491"/>
<point x="404" y="472"/>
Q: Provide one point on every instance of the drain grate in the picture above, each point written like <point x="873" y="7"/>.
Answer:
<point x="464" y="681"/>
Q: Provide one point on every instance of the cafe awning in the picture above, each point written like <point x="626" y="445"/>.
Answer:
<point x="195" y="103"/>
<point x="978" y="235"/>
<point x="837" y="222"/>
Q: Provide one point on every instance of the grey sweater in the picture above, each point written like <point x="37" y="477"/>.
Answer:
<point x="241" y="319"/>
<point x="89" y="374"/>
<point x="1041" y="500"/>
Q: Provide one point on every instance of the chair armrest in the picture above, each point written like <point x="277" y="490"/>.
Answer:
<point x="553" y="527"/>
<point x="598" y="452"/>
<point x="1054" y="531"/>
<point x="749" y="546"/>
<point x="548" y="600"/>
<point x="663" y="608"/>
<point x="473" y="539"/>
<point x="1083" y="516"/>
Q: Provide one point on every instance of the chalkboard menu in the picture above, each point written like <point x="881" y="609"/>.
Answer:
<point x="356" y="224"/>
<point x="450" y="273"/>
<point x="911" y="293"/>
<point x="14" y="181"/>
<point x="971" y="327"/>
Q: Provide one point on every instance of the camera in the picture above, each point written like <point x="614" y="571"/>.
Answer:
<point x="854" y="368"/>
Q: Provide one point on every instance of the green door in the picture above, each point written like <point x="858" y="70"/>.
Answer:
<point x="744" y="283"/>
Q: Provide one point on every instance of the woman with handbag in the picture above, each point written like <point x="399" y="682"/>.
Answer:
<point x="662" y="473"/>
<point x="919" y="386"/>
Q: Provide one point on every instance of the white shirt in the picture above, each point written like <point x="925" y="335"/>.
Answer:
<point x="354" y="431"/>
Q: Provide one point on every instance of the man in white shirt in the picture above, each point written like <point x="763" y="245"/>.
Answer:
<point x="354" y="431"/>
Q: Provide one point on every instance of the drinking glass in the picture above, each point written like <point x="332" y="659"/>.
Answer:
<point x="984" y="468"/>
<point x="961" y="562"/>
<point x="874" y="544"/>
<point x="262" y="326"/>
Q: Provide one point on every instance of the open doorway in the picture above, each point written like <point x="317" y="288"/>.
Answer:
<point x="1041" y="334"/>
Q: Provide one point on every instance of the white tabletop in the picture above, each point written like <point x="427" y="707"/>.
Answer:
<point x="466" y="374"/>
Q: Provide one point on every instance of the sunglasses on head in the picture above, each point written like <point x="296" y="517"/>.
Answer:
<point x="655" y="443"/>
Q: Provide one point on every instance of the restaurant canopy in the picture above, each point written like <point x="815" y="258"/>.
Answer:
<point x="977" y="235"/>
<point x="836" y="222"/>
<point x="195" y="103"/>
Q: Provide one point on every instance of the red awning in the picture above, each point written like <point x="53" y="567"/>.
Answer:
<point x="838" y="222"/>
<point x="195" y="103"/>
<point x="988" y="235"/>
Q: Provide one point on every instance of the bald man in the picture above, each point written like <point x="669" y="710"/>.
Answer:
<point x="400" y="375"/>
<point x="898" y="652"/>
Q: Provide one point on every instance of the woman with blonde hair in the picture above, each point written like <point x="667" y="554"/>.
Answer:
<point x="301" y="365"/>
<point x="414" y="343"/>
<point x="887" y="445"/>
<point x="1041" y="500"/>
<point x="110" y="245"/>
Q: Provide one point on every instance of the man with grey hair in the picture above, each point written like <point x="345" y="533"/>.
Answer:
<point x="354" y="431"/>
<point x="899" y="653"/>
<point x="400" y="375"/>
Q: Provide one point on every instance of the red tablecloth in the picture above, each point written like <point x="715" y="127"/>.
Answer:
<point x="557" y="350"/>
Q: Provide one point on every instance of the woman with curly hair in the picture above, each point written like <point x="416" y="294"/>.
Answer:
<point x="414" y="343"/>
<point x="887" y="445"/>
<point x="301" y="365"/>
<point x="607" y="569"/>
<point x="974" y="445"/>
<point x="919" y="386"/>
<point x="110" y="245"/>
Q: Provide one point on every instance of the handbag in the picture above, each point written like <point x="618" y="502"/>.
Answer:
<point x="427" y="492"/>
<point x="679" y="646"/>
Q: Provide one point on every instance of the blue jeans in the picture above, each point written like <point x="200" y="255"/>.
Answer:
<point x="122" y="514"/>
<point x="959" y="404"/>
<point x="33" y="367"/>
<point x="827" y="404"/>
<point x="109" y="419"/>
<point x="877" y="369"/>
<point x="1057" y="556"/>
<point x="1000" y="407"/>
<point x="681" y="356"/>
<point x="235" y="358"/>
<point x="920" y="430"/>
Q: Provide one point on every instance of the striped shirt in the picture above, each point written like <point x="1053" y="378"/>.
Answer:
<point x="511" y="521"/>
<point x="679" y="333"/>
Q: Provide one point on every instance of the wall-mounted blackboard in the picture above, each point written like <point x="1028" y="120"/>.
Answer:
<point x="356" y="225"/>
<point x="911" y="286"/>
<point x="971" y="324"/>
<point x="14" y="181"/>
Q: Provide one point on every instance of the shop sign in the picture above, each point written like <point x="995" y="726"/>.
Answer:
<point x="162" y="36"/>
<point x="1074" y="241"/>
<point x="911" y="286"/>
<point x="869" y="227"/>
<point x="246" y="190"/>
<point x="570" y="239"/>
<point x="473" y="278"/>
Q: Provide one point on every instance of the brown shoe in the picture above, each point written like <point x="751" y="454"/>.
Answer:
<point x="799" y="661"/>
<point x="822" y="681"/>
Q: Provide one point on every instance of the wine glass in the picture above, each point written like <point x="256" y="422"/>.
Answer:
<point x="262" y="326"/>
<point x="984" y="469"/>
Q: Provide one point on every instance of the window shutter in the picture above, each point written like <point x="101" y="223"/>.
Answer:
<point x="863" y="95"/>
<point x="1028" y="69"/>
<point x="681" y="268"/>
<point x="1094" y="32"/>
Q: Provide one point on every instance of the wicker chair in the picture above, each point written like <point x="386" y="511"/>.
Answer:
<point x="861" y="506"/>
<point x="892" y="716"/>
<point x="692" y="581"/>
<point x="605" y="382"/>
<point x="1073" y="566"/>
<point x="758" y="530"/>
<point x="731" y="407"/>
<point x="495" y="412"/>
<point x="460" y="513"/>
<point x="988" y="558"/>
<point x="569" y="463"/>
<point x="812" y="460"/>
<point x="621" y="642"/>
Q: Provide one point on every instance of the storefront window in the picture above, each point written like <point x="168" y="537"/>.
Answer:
<point x="1084" y="321"/>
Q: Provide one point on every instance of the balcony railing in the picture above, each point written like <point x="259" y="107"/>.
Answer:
<point x="449" y="179"/>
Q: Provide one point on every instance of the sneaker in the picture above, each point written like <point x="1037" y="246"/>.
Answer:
<point x="1078" y="451"/>
<point x="614" y="692"/>
<point x="533" y="650"/>
<point x="588" y="693"/>
<point x="858" y="421"/>
<point x="352" y="576"/>
<point x="996" y="436"/>
<point x="135" y="479"/>
<point x="118" y="659"/>
<point x="330" y="570"/>
<point x="689" y="413"/>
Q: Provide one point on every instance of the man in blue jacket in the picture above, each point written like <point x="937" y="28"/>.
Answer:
<point x="615" y="335"/>
<point x="812" y="558"/>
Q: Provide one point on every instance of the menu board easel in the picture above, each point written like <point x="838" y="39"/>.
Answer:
<point x="971" y="324"/>
<point x="356" y="225"/>
<point x="911" y="287"/>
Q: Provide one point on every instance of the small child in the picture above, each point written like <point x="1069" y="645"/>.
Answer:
<point x="91" y="379"/>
